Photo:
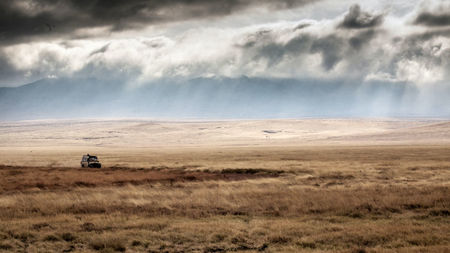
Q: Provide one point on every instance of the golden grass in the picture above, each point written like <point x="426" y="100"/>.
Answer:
<point x="21" y="179"/>
<point x="337" y="199"/>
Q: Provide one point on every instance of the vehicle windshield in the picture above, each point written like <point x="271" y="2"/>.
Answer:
<point x="92" y="159"/>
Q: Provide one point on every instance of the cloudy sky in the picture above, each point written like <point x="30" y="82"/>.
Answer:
<point x="143" y="40"/>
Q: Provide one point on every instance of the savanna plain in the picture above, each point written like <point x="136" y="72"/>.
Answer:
<point x="311" y="185"/>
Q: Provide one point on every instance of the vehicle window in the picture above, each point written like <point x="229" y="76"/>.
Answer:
<point x="92" y="159"/>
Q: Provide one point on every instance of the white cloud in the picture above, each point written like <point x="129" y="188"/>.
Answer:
<point x="265" y="50"/>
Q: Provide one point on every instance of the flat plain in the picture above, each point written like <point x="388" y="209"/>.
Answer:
<point x="314" y="185"/>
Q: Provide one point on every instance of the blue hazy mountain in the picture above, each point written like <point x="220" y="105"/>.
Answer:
<point x="217" y="98"/>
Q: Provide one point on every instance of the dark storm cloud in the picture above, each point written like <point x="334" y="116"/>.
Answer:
<point x="357" y="19"/>
<point x="61" y="17"/>
<point x="18" y="23"/>
<point x="433" y="19"/>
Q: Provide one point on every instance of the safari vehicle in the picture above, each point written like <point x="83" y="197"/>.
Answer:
<point x="90" y="161"/>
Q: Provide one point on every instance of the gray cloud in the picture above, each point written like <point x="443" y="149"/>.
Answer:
<point x="433" y="19"/>
<point x="52" y="18"/>
<point x="428" y="35"/>
<point x="433" y="55"/>
<point x="357" y="19"/>
<point x="361" y="39"/>
<point x="331" y="49"/>
<point x="8" y="73"/>
<point x="301" y="26"/>
<point x="333" y="46"/>
<point x="100" y="50"/>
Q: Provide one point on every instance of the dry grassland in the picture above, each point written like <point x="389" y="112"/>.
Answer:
<point x="272" y="198"/>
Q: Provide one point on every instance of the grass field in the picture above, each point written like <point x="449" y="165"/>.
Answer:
<point x="361" y="193"/>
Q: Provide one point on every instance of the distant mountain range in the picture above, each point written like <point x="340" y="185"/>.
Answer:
<point x="216" y="98"/>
